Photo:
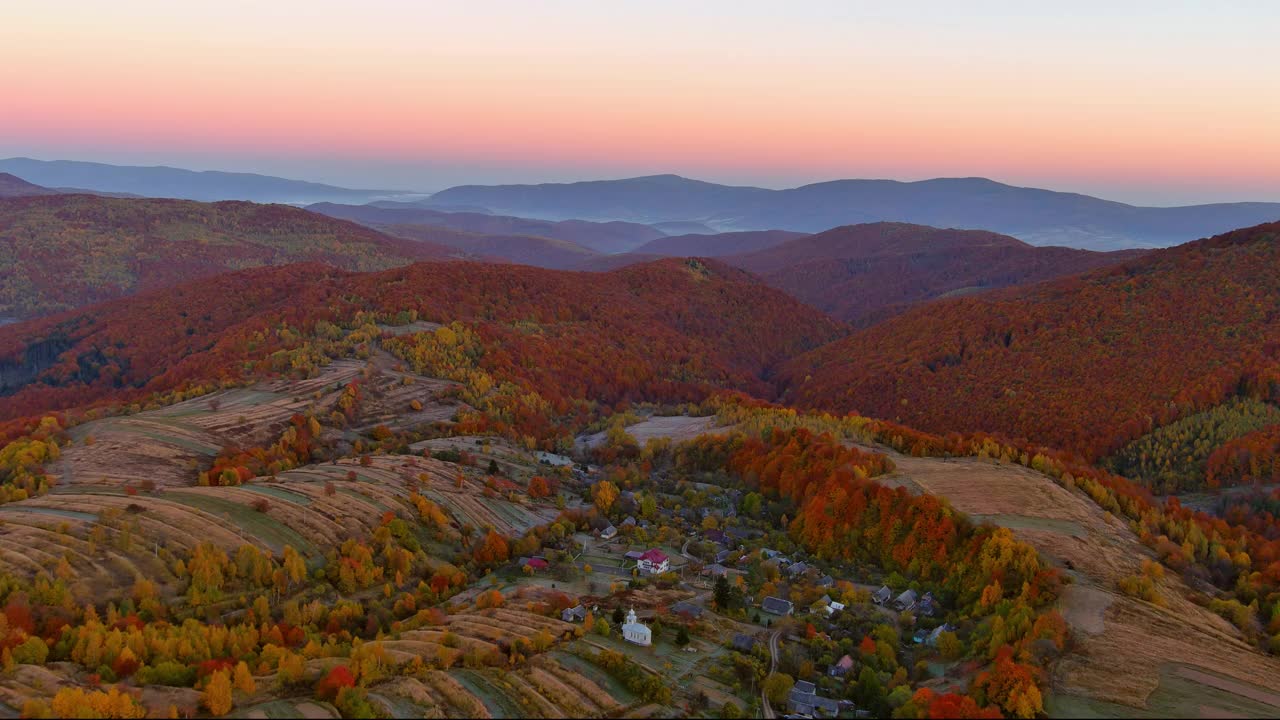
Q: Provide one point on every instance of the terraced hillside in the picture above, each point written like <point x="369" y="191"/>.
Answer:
<point x="126" y="492"/>
<point x="1166" y="649"/>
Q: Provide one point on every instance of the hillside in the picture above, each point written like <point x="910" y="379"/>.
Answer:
<point x="605" y="237"/>
<point x="605" y="263"/>
<point x="864" y="273"/>
<point x="14" y="186"/>
<point x="1087" y="363"/>
<point x="67" y="251"/>
<point x="169" y="182"/>
<point x="663" y="331"/>
<point x="523" y="249"/>
<point x="1040" y="217"/>
<point x="716" y="244"/>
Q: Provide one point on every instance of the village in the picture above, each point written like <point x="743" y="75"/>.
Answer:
<point x="692" y="579"/>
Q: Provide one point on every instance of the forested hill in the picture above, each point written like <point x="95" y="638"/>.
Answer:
<point x="865" y="273"/>
<point x="65" y="251"/>
<point x="1087" y="363"/>
<point x="668" y="331"/>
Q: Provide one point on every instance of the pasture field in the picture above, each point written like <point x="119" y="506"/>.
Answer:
<point x="677" y="428"/>
<point x="1109" y="629"/>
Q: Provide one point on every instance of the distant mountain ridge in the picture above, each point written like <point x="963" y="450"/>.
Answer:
<point x="605" y="237"/>
<point x="1039" y="217"/>
<point x="865" y="273"/>
<point x="170" y="182"/>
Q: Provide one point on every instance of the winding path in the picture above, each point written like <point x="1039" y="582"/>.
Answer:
<point x="773" y="667"/>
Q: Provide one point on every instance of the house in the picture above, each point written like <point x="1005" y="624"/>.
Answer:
<point x="634" y="555"/>
<point x="825" y="581"/>
<point x="777" y="606"/>
<point x="687" y="610"/>
<point x="628" y="521"/>
<point x="574" y="614"/>
<point x="882" y="595"/>
<point x="715" y="570"/>
<point x="804" y="700"/>
<point x="926" y="606"/>
<point x="723" y="555"/>
<point x="842" y="666"/>
<point x="635" y="632"/>
<point x="800" y="701"/>
<point x="797" y="569"/>
<point x="744" y="643"/>
<point x="768" y="554"/>
<point x="905" y="601"/>
<point x="535" y="563"/>
<point x="932" y="638"/>
<point x="834" y="607"/>
<point x="654" y="562"/>
<point x="609" y="532"/>
<point x="715" y="536"/>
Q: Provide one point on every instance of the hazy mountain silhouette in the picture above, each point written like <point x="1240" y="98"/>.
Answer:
<point x="161" y="181"/>
<point x="1040" y="217"/>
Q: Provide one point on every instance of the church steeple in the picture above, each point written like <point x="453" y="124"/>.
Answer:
<point x="631" y="617"/>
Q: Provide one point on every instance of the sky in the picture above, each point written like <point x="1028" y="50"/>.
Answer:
<point x="1148" y="102"/>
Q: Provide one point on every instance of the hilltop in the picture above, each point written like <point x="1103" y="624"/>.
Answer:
<point x="605" y="237"/>
<point x="67" y="251"/>
<point x="864" y="273"/>
<point x="670" y="329"/>
<point x="1086" y="363"/>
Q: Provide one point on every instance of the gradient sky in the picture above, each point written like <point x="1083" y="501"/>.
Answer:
<point x="1153" y="102"/>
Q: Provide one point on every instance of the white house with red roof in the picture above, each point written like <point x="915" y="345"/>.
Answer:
<point x="654" y="562"/>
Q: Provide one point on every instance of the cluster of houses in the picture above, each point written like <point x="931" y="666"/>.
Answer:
<point x="908" y="600"/>
<point x="610" y="531"/>
<point x="804" y="700"/>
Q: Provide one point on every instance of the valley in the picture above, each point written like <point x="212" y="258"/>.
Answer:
<point x="821" y="361"/>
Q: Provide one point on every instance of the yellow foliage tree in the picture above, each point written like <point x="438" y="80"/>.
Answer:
<point x="244" y="679"/>
<point x="217" y="694"/>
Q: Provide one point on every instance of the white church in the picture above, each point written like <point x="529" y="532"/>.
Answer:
<point x="635" y="632"/>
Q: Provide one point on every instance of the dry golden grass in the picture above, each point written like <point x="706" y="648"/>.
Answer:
<point x="1119" y="643"/>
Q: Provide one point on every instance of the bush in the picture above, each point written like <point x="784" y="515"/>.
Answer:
<point x="31" y="652"/>
<point x="352" y="703"/>
<point x="338" y="679"/>
<point x="167" y="673"/>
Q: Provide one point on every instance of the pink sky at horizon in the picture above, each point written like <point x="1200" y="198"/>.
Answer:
<point x="1162" y="103"/>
